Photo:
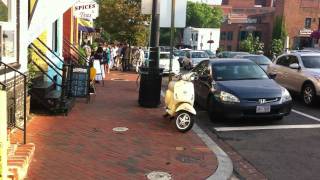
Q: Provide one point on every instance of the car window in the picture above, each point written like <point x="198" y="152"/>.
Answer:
<point x="238" y="71"/>
<point x="188" y="54"/>
<point x="261" y="60"/>
<point x="311" y="61"/>
<point x="164" y="56"/>
<point x="199" y="55"/>
<point x="293" y="59"/>
<point x="283" y="61"/>
<point x="201" y="68"/>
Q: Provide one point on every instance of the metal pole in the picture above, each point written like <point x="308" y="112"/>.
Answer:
<point x="173" y="7"/>
<point x="155" y="32"/>
<point x="25" y="111"/>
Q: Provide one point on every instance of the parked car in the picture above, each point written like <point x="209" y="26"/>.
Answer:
<point x="230" y="54"/>
<point x="193" y="58"/>
<point x="165" y="63"/>
<point x="180" y="54"/>
<point x="299" y="72"/>
<point x="261" y="60"/>
<point x="210" y="54"/>
<point x="239" y="88"/>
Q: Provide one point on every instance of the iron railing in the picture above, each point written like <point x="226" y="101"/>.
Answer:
<point x="12" y="108"/>
<point x="75" y="50"/>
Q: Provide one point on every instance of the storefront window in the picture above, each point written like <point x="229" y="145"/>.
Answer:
<point x="4" y="11"/>
<point x="8" y="44"/>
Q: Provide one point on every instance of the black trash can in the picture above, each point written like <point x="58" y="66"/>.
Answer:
<point x="150" y="87"/>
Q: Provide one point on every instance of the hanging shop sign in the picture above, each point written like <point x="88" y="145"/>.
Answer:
<point x="305" y="32"/>
<point x="86" y="10"/>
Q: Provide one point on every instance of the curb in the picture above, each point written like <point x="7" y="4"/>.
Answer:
<point x="225" y="166"/>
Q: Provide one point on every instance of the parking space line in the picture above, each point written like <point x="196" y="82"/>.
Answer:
<point x="306" y="115"/>
<point x="274" y="127"/>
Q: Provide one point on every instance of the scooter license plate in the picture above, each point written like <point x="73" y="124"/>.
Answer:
<point x="263" y="109"/>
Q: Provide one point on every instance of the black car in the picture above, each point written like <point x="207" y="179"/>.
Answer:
<point x="239" y="88"/>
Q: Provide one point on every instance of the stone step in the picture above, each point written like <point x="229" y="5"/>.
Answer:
<point x="18" y="163"/>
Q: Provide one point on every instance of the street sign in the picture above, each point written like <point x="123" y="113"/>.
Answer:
<point x="146" y="7"/>
<point x="180" y="13"/>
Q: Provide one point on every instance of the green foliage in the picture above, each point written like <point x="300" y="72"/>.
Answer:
<point x="279" y="29"/>
<point x="251" y="44"/>
<point x="83" y="54"/>
<point x="277" y="46"/>
<point x="201" y="15"/>
<point x="122" y="20"/>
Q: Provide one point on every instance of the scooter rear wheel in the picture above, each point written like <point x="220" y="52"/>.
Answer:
<point x="184" y="121"/>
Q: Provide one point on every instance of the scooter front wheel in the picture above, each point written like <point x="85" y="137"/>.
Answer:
<point x="184" y="121"/>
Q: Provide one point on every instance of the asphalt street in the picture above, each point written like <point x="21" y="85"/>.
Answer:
<point x="286" y="149"/>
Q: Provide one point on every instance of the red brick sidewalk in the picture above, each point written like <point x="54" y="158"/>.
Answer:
<point x="83" y="146"/>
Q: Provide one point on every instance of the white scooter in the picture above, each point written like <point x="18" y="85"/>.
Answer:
<point x="179" y="102"/>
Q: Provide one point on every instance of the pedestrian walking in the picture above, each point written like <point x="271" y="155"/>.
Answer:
<point x="140" y="60"/>
<point x="87" y="50"/>
<point x="98" y="64"/>
<point x="107" y="58"/>
<point x="125" y="57"/>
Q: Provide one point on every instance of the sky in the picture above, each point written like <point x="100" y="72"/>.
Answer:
<point x="211" y="2"/>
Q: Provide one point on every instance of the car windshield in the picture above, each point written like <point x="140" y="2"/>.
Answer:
<point x="233" y="54"/>
<point x="179" y="53"/>
<point x="164" y="56"/>
<point x="312" y="62"/>
<point x="210" y="53"/>
<point x="261" y="60"/>
<point x="238" y="71"/>
<point x="199" y="55"/>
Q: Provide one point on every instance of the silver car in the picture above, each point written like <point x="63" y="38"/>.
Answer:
<point x="192" y="58"/>
<point x="299" y="72"/>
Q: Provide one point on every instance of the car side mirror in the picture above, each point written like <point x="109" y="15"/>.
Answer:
<point x="273" y="76"/>
<point x="295" y="66"/>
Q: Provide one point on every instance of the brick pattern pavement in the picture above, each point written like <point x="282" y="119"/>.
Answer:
<point x="83" y="145"/>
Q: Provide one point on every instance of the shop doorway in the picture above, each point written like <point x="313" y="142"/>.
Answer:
<point x="302" y="42"/>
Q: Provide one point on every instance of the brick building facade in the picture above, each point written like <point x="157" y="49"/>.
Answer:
<point x="301" y="17"/>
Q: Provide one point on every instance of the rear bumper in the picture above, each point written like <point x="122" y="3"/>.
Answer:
<point x="248" y="110"/>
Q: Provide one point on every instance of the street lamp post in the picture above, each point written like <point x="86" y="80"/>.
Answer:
<point x="210" y="40"/>
<point x="151" y="77"/>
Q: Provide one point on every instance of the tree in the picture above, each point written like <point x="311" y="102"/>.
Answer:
<point x="279" y="29"/>
<point x="201" y="15"/>
<point x="122" y="20"/>
<point x="277" y="47"/>
<point x="251" y="44"/>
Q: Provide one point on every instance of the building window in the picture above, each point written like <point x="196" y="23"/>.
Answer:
<point x="8" y="32"/>
<point x="225" y="2"/>
<point x="260" y="3"/>
<point x="223" y="36"/>
<point x="196" y="38"/>
<point x="230" y="36"/>
<point x="55" y="36"/>
<point x="4" y="11"/>
<point x="307" y="23"/>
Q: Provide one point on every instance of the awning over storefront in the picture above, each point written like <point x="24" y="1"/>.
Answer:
<point x="46" y="12"/>
<point x="86" y="25"/>
<point x="86" y="29"/>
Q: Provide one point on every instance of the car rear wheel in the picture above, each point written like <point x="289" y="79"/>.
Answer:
<point x="309" y="94"/>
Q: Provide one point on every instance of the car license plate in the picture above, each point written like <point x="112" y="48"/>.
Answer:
<point x="263" y="109"/>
